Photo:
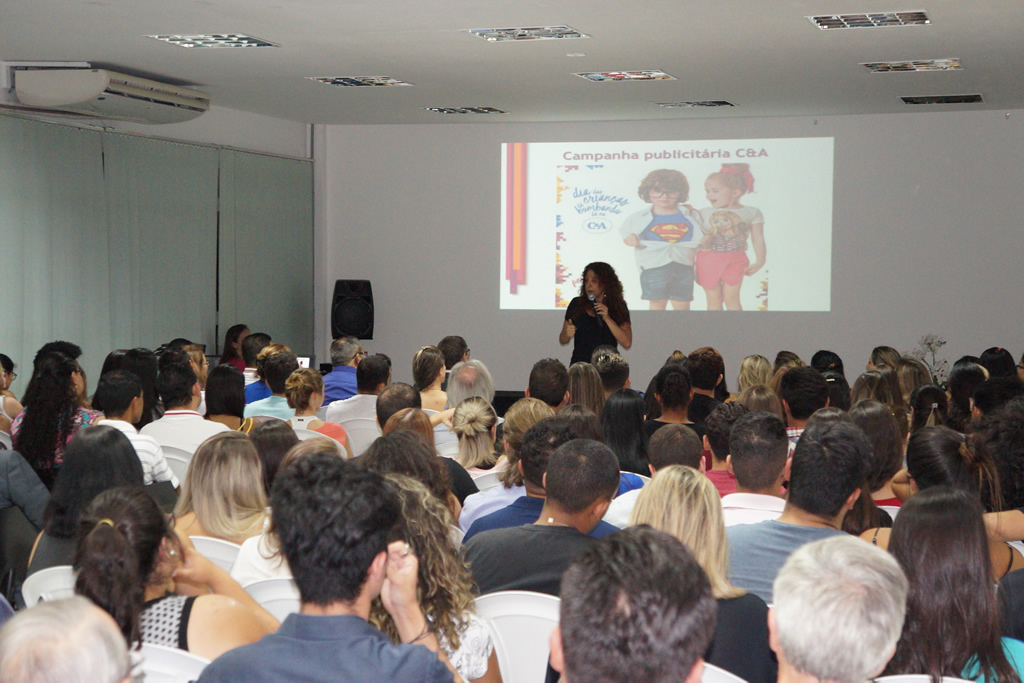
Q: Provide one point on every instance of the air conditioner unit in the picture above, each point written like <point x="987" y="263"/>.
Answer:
<point x="106" y="94"/>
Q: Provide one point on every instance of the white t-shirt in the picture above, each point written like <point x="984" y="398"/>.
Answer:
<point x="751" y="508"/>
<point x="184" y="429"/>
<point x="154" y="465"/>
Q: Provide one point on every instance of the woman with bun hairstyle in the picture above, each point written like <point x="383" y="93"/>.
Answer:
<point x="305" y="392"/>
<point x="159" y="590"/>
<point x="475" y="422"/>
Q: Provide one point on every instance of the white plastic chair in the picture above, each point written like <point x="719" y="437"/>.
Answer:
<point x="307" y="434"/>
<point x="714" y="674"/>
<point x="456" y="534"/>
<point x="54" y="583"/>
<point x="520" y="623"/>
<point x="322" y="414"/>
<point x="449" y="449"/>
<point x="222" y="553"/>
<point x="916" y="678"/>
<point x="891" y="509"/>
<point x="170" y="665"/>
<point x="362" y="431"/>
<point x="280" y="597"/>
<point x="5" y="440"/>
<point x="178" y="460"/>
<point x="487" y="480"/>
<point x="647" y="480"/>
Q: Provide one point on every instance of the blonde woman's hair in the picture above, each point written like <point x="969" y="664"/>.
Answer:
<point x="445" y="584"/>
<point x="300" y="387"/>
<point x="472" y="423"/>
<point x="522" y="415"/>
<point x="585" y="387"/>
<point x="754" y="369"/>
<point x="197" y="354"/>
<point x="224" y="488"/>
<point x="683" y="502"/>
<point x="760" y="397"/>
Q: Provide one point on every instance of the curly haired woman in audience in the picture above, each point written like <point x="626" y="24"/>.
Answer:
<point x="683" y="502"/>
<point x="446" y="586"/>
<point x="585" y="387"/>
<point x="130" y="563"/>
<point x="55" y="409"/>
<point x="428" y="373"/>
<point x="475" y="423"/>
<point x="953" y="624"/>
<point x="305" y="392"/>
<point x="222" y="495"/>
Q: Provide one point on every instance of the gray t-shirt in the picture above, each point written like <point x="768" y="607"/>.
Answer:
<point x="758" y="551"/>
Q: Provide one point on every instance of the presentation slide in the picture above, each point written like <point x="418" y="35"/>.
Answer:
<point x="687" y="225"/>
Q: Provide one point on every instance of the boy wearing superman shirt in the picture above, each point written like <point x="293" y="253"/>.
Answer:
<point x="665" y="239"/>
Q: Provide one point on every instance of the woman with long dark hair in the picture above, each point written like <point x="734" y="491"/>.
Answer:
<point x="144" y="364"/>
<point x="598" y="316"/>
<point x="622" y="422"/>
<point x="231" y="353"/>
<point x="55" y="410"/>
<point x="953" y="624"/>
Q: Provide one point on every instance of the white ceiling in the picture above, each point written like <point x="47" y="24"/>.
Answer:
<point x="762" y="55"/>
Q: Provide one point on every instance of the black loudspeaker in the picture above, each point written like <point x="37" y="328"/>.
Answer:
<point x="352" y="309"/>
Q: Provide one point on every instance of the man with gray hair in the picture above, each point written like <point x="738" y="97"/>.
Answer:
<point x="468" y="379"/>
<point x="65" y="641"/>
<point x="846" y="588"/>
<point x="341" y="383"/>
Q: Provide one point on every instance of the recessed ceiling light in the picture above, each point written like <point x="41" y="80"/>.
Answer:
<point x="465" y="110"/>
<point x="875" y="20"/>
<point x="215" y="40"/>
<point x="497" y="35"/>
<point x="357" y="81"/>
<point x="943" y="99"/>
<point x="575" y="54"/>
<point x="702" y="103"/>
<point x="952" y="64"/>
<point x="642" y="75"/>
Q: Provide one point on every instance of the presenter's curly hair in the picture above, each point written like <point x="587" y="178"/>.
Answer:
<point x="612" y="287"/>
<point x="445" y="584"/>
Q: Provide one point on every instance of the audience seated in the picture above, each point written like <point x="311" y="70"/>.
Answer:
<point x="222" y="495"/>
<point x="181" y="426"/>
<point x="993" y="394"/>
<point x="883" y="356"/>
<point x="9" y="404"/>
<point x="232" y="352"/>
<point x="622" y="426"/>
<point x="754" y="370"/>
<point x="372" y="375"/>
<point x="758" y="447"/>
<point x="613" y="369"/>
<point x="341" y="382"/>
<point x="20" y="487"/>
<point x="428" y="373"/>
<point x="635" y="607"/>
<point x="585" y="387"/>
<point x="683" y="502"/>
<point x="998" y="361"/>
<point x="762" y="397"/>
<point x="225" y="399"/>
<point x="580" y="480"/>
<point x="130" y="563"/>
<point x="408" y="452"/>
<point x="55" y="409"/>
<point x="475" y="423"/>
<point x="707" y="370"/>
<point x="839" y="607"/>
<point x="275" y="368"/>
<point x="272" y="439"/>
<point x="929" y="407"/>
<point x="827" y="470"/>
<point x="672" y="392"/>
<point x="455" y="350"/>
<point x="251" y="347"/>
<point x="335" y="524"/>
<point x="468" y="379"/>
<point x="912" y="372"/>
<point x="717" y="427"/>
<point x="964" y="377"/>
<point x="539" y="443"/>
<point x="97" y="459"/>
<point x="803" y="390"/>
<point x="883" y="431"/>
<point x="120" y="394"/>
<point x="304" y="390"/>
<point x="549" y="381"/>
<point x="70" y="641"/>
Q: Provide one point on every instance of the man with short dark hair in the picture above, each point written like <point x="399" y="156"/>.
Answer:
<point x="706" y="368"/>
<point x="455" y="350"/>
<point x="341" y="382"/>
<point x="614" y="371"/>
<point x="539" y="443"/>
<point x="826" y="475"/>
<point x="549" y="381"/>
<point x="716" y="439"/>
<point x="334" y="522"/>
<point x="119" y="396"/>
<point x="277" y="368"/>
<point x="372" y="375"/>
<point x="803" y="390"/>
<point x="673" y="444"/>
<point x="758" y="450"/>
<point x="181" y="426"/>
<point x="635" y="607"/>
<point x="251" y="347"/>
<point x="581" y="478"/>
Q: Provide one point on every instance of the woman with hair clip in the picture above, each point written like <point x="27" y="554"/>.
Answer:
<point x="428" y="373"/>
<point x="683" y="502"/>
<point x="953" y="624"/>
<point x="929" y="407"/>
<point x="55" y="409"/>
<point x="598" y="316"/>
<point x="585" y="387"/>
<point x="222" y="495"/>
<point x="305" y="392"/>
<point x="939" y="456"/>
<point x="446" y="586"/>
<point x="130" y="563"/>
<point x="475" y="423"/>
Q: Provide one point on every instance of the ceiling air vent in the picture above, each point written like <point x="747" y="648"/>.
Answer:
<point x="500" y="35"/>
<point x="465" y="110"/>
<point x="215" y="40"/>
<point x="951" y="64"/>
<point x="698" y="104"/>
<point x="357" y="81"/>
<point x="943" y="99"/>
<point x="875" y="20"/>
<point x="642" y="75"/>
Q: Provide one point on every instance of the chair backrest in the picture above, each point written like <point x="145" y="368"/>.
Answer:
<point x="170" y="665"/>
<point x="646" y="479"/>
<point x="487" y="480"/>
<point x="321" y="414"/>
<point x="5" y="440"/>
<point x="307" y="434"/>
<point x="714" y="674"/>
<point x="280" y="597"/>
<point x="54" y="583"/>
<point x="222" y="553"/>
<point x="916" y="678"/>
<point x="448" y="449"/>
<point x="362" y="431"/>
<point x="456" y="534"/>
<point x="178" y="460"/>
<point x="891" y="509"/>
<point x="520" y="623"/>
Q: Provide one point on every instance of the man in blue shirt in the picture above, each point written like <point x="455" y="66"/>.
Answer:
<point x="340" y="383"/>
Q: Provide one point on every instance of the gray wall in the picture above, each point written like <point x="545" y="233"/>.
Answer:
<point x="927" y="217"/>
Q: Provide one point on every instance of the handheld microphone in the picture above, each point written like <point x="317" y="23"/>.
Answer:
<point x="593" y="302"/>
